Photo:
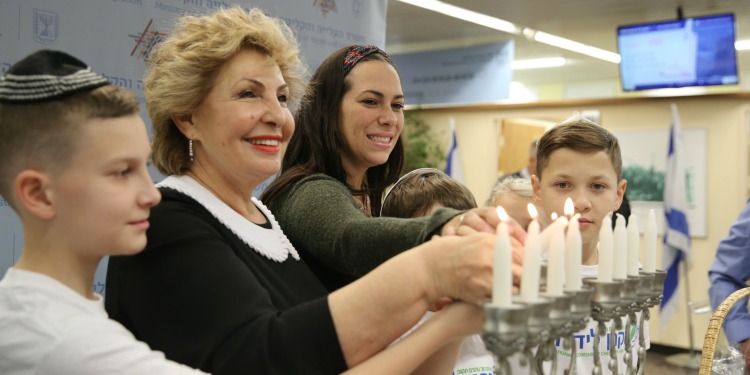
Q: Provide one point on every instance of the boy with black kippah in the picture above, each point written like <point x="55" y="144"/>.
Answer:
<point x="73" y="154"/>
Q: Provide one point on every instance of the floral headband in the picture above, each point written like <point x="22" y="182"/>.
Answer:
<point x="356" y="53"/>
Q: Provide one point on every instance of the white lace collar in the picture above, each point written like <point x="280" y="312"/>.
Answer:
<point x="271" y="243"/>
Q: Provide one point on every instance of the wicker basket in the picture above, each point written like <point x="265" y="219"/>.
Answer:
<point x="714" y="327"/>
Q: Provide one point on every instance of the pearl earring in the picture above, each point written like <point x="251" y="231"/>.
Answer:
<point x="190" y="150"/>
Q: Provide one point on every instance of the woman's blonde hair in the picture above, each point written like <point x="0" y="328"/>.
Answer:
<point x="183" y="68"/>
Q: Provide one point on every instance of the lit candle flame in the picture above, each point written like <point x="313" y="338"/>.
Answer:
<point x="502" y="214"/>
<point x="532" y="211"/>
<point x="553" y="216"/>
<point x="569" y="210"/>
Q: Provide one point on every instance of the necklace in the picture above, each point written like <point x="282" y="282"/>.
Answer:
<point x="251" y="211"/>
<point x="207" y="186"/>
<point x="364" y="205"/>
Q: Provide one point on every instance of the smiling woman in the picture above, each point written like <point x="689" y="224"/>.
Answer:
<point x="238" y="128"/>
<point x="372" y="119"/>
<point x="346" y="150"/>
<point x="348" y="127"/>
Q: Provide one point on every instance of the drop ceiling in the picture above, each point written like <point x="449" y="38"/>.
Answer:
<point x="592" y="22"/>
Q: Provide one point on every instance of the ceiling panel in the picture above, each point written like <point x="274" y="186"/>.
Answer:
<point x="593" y="22"/>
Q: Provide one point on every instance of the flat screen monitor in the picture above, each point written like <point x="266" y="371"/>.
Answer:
<point x="697" y="51"/>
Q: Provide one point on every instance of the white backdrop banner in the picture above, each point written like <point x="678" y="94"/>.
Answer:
<point x="468" y="75"/>
<point x="116" y="36"/>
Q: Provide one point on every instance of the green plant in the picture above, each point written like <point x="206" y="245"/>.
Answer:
<point x="422" y="148"/>
<point x="644" y="184"/>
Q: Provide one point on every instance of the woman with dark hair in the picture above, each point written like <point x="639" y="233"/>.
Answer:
<point x="319" y="142"/>
<point x="345" y="151"/>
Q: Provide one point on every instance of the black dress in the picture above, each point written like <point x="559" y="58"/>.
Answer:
<point x="208" y="300"/>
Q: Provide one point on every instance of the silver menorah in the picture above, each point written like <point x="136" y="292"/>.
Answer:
<point x="526" y="326"/>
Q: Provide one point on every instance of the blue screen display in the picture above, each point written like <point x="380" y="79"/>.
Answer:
<point x="696" y="51"/>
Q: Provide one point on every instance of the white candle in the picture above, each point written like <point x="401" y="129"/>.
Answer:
<point x="620" y="254"/>
<point x="556" y="262"/>
<point x="634" y="244"/>
<point x="573" y="245"/>
<point x="568" y="208"/>
<point x="531" y="260"/>
<point x="545" y="237"/>
<point x="649" y="243"/>
<point x="502" y="278"/>
<point x="605" y="250"/>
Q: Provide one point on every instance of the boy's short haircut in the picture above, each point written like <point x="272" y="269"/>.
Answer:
<point x="580" y="135"/>
<point x="516" y="185"/>
<point x="43" y="100"/>
<point x="417" y="191"/>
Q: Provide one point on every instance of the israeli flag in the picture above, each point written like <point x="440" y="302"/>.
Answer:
<point x="453" y="163"/>
<point x="676" y="234"/>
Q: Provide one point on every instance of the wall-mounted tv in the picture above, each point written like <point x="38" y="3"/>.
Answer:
<point x="697" y="51"/>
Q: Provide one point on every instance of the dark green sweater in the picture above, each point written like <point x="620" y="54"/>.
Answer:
<point x="321" y="219"/>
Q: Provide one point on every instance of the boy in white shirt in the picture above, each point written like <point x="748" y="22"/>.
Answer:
<point x="579" y="159"/>
<point x="419" y="193"/>
<point x="73" y="156"/>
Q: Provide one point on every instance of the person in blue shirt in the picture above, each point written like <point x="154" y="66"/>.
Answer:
<point x="729" y="273"/>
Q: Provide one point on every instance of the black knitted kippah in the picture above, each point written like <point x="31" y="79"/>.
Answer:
<point x="47" y="75"/>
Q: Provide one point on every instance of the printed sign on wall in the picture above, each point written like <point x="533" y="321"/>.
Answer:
<point x="469" y="75"/>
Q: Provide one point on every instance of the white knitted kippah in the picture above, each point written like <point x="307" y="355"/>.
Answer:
<point x="47" y="75"/>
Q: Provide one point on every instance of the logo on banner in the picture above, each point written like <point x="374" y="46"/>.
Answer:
<point x="145" y="41"/>
<point x="46" y="26"/>
<point x="325" y="6"/>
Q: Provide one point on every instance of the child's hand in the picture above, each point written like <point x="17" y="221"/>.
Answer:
<point x="440" y="303"/>
<point x="483" y="219"/>
<point x="461" y="319"/>
<point x="516" y="245"/>
<point x="459" y="267"/>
